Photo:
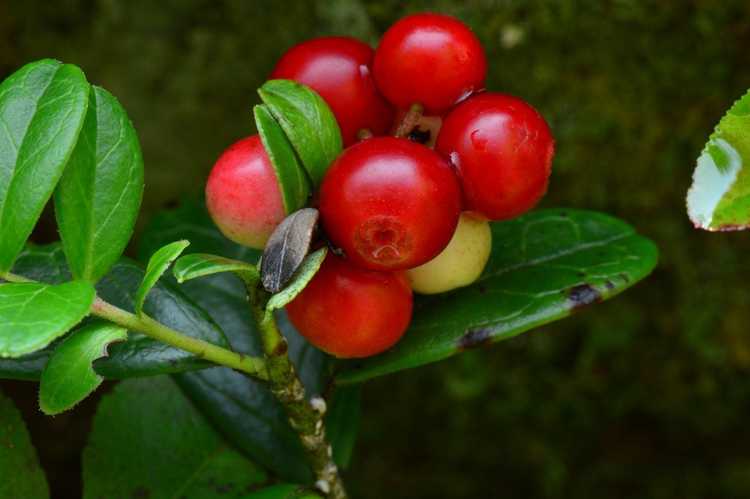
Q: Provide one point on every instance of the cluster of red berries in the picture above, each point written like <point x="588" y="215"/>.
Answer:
<point x="394" y="204"/>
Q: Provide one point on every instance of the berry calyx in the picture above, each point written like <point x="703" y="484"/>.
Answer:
<point x="243" y="195"/>
<point x="460" y="263"/>
<point x="502" y="150"/>
<point x="390" y="203"/>
<point x="352" y="312"/>
<point x="431" y="59"/>
<point x="338" y="68"/>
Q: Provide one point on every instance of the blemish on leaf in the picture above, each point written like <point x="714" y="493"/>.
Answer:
<point x="583" y="295"/>
<point x="609" y="285"/>
<point x="475" y="338"/>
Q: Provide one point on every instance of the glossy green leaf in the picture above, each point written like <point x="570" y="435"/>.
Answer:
<point x="148" y="441"/>
<point x="69" y="376"/>
<point x="42" y="109"/>
<point x="310" y="266"/>
<point x="157" y="265"/>
<point x="308" y="122"/>
<point x="342" y="422"/>
<point x="284" y="491"/>
<point x="201" y="265"/>
<point x="544" y="266"/>
<point x="20" y="473"/>
<point x="33" y="315"/>
<point x="99" y="195"/>
<point x="719" y="198"/>
<point x="139" y="355"/>
<point x="293" y="182"/>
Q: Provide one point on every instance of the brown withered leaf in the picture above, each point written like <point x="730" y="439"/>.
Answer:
<point x="287" y="248"/>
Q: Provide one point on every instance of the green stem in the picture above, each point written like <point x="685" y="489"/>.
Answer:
<point x="253" y="366"/>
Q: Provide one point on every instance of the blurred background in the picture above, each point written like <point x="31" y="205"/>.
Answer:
<point x="645" y="396"/>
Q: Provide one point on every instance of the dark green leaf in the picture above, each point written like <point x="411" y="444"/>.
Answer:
<point x="139" y="355"/>
<point x="720" y="196"/>
<point x="544" y="266"/>
<point x="284" y="491"/>
<point x="157" y="265"/>
<point x="308" y="123"/>
<point x="286" y="248"/>
<point x="42" y="109"/>
<point x="22" y="477"/>
<point x="32" y="315"/>
<point x="342" y="422"/>
<point x="301" y="278"/>
<point x="201" y="265"/>
<point x="149" y="441"/>
<point x="293" y="182"/>
<point x="99" y="195"/>
<point x="69" y="376"/>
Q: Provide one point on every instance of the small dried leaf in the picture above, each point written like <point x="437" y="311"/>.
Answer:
<point x="287" y="248"/>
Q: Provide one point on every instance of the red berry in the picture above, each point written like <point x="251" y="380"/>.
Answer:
<point x="243" y="195"/>
<point x="431" y="59"/>
<point x="351" y="312"/>
<point x="338" y="68"/>
<point x="390" y="203"/>
<point x="502" y="149"/>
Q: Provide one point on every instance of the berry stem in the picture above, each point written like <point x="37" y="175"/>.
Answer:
<point x="410" y="120"/>
<point x="365" y="134"/>
<point x="306" y="417"/>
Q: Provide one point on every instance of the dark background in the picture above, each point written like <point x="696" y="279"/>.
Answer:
<point x="644" y="396"/>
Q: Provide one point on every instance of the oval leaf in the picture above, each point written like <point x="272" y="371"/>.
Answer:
<point x="342" y="422"/>
<point x="139" y="355"/>
<point x="543" y="267"/>
<point x="69" y="376"/>
<point x="157" y="265"/>
<point x="99" y="195"/>
<point x="42" y="109"/>
<point x="32" y="315"/>
<point x="308" y="122"/>
<point x="301" y="278"/>
<point x="719" y="198"/>
<point x="293" y="182"/>
<point x="286" y="248"/>
<point x="149" y="441"/>
<point x="21" y="474"/>
<point x="201" y="265"/>
<point x="284" y="491"/>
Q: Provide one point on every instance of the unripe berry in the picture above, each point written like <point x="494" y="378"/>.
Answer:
<point x="431" y="59"/>
<point x="352" y="312"/>
<point x="502" y="150"/>
<point x="338" y="68"/>
<point x="460" y="263"/>
<point x="243" y="194"/>
<point x="390" y="204"/>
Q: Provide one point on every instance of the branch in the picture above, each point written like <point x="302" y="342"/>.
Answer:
<point x="252" y="366"/>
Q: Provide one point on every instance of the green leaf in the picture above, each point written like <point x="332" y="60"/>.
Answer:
<point x="149" y="441"/>
<point x="201" y="265"/>
<point x="284" y="491"/>
<point x="139" y="355"/>
<point x="157" y="265"/>
<point x="69" y="376"/>
<point x="32" y="315"/>
<point x="342" y="422"/>
<point x="308" y="122"/>
<point x="99" y="195"/>
<point x="310" y="266"/>
<point x="544" y="266"/>
<point x="719" y="198"/>
<point x="293" y="183"/>
<point x="21" y="474"/>
<point x="42" y="109"/>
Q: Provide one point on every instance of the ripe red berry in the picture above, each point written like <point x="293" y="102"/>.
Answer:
<point x="352" y="312"/>
<point x="390" y="203"/>
<point x="431" y="59"/>
<point x="338" y="68"/>
<point x="502" y="150"/>
<point x="243" y="195"/>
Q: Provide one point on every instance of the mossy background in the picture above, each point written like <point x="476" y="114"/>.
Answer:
<point x="645" y="396"/>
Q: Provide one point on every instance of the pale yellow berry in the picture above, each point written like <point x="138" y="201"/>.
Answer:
<point x="460" y="263"/>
